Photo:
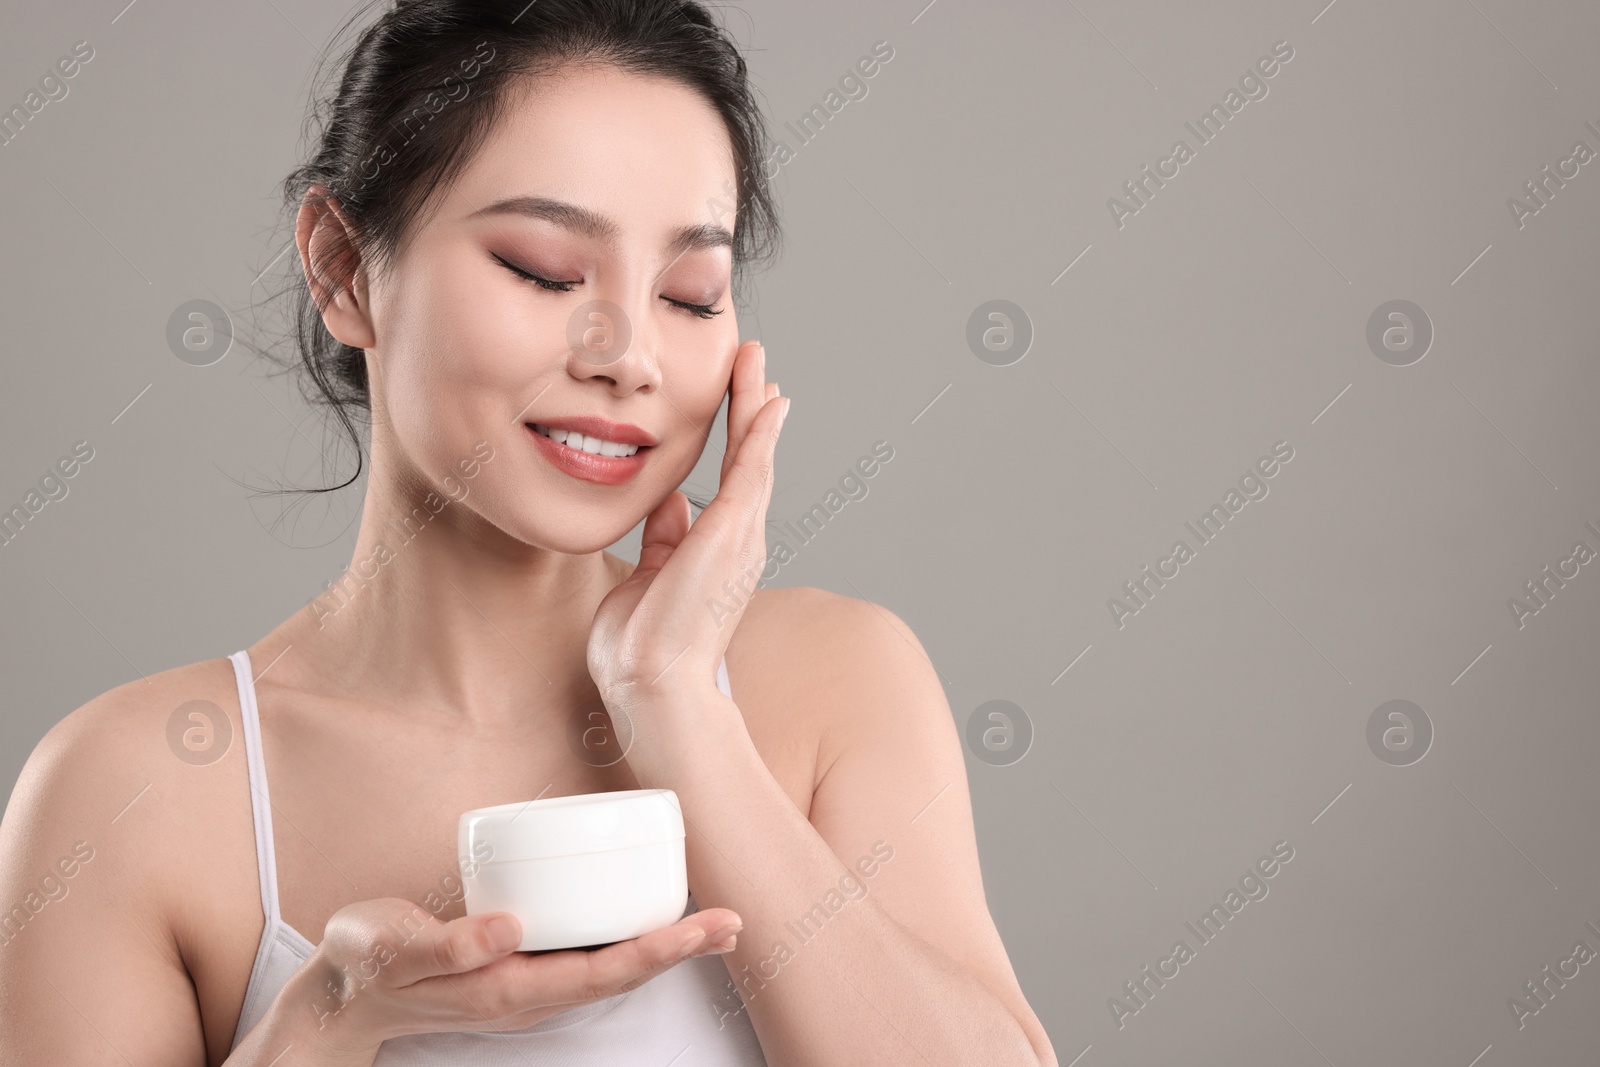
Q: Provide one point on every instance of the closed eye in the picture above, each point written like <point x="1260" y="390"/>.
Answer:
<point x="704" y="311"/>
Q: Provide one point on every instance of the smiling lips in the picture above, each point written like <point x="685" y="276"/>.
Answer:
<point x="591" y="448"/>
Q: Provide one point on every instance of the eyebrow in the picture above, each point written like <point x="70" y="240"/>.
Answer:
<point x="593" y="224"/>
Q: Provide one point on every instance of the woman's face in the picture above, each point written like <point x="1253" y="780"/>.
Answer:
<point x="625" y="188"/>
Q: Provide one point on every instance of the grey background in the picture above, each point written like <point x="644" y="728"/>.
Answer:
<point x="1230" y="313"/>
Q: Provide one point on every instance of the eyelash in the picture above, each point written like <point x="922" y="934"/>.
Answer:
<point x="704" y="311"/>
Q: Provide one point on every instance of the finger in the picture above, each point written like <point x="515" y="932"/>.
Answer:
<point x="664" y="530"/>
<point x="747" y="487"/>
<point x="738" y="402"/>
<point x="579" y="975"/>
<point x="748" y="388"/>
<point x="458" y="946"/>
<point x="722" y="940"/>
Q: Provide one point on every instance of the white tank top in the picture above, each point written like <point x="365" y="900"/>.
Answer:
<point x="688" y="1016"/>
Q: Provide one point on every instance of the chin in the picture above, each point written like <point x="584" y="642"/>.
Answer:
<point x="574" y="532"/>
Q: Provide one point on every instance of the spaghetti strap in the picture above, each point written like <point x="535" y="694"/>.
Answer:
<point x="260" y="802"/>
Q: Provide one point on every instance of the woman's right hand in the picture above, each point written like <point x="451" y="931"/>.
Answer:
<point x="387" y="967"/>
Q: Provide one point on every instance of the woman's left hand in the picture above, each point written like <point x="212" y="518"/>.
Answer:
<point x="660" y="634"/>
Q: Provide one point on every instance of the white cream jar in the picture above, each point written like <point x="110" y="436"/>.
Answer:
<point x="580" y="870"/>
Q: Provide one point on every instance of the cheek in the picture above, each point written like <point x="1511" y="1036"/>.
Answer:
<point x="458" y="363"/>
<point x="694" y="386"/>
<point x="700" y="385"/>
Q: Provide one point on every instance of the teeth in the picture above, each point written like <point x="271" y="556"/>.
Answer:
<point x="595" y="446"/>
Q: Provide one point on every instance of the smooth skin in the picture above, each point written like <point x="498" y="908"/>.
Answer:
<point x="448" y="680"/>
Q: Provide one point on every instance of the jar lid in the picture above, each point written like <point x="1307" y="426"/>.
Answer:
<point x="565" y="826"/>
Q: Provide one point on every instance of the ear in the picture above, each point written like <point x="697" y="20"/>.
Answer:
<point x="333" y="268"/>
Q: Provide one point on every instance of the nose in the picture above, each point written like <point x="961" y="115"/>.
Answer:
<point x="605" y="341"/>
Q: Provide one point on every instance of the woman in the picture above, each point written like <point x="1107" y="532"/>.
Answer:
<point x="520" y="230"/>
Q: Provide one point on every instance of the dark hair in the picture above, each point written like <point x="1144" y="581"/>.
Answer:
<point x="421" y="89"/>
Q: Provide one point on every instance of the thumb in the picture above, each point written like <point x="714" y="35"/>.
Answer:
<point x="664" y="530"/>
<point x="463" y="944"/>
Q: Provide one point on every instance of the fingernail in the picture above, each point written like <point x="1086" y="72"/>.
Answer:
<point x="784" y="414"/>
<point x="726" y="945"/>
<point x="724" y="933"/>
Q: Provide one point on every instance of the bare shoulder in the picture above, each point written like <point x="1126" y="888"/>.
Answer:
<point x="125" y="771"/>
<point x="820" y="635"/>
<point x="830" y="668"/>
<point x="121" y="739"/>
<point x="99" y="845"/>
<point x="783" y="647"/>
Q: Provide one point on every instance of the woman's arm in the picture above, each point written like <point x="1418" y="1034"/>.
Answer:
<point x="89" y="971"/>
<point x="94" y="849"/>
<point x="867" y="938"/>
